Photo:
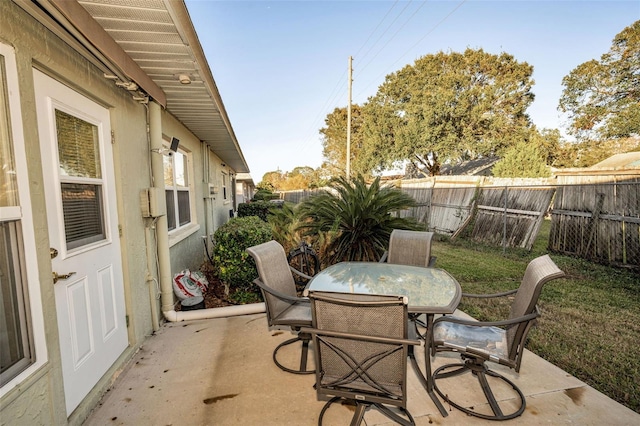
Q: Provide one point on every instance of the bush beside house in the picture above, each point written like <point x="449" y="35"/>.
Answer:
<point x="256" y="208"/>
<point x="233" y="265"/>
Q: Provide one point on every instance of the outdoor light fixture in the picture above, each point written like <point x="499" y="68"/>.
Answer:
<point x="175" y="142"/>
<point x="184" y="79"/>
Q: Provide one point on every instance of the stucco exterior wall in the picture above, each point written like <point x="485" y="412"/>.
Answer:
<point x="40" y="398"/>
<point x="187" y="249"/>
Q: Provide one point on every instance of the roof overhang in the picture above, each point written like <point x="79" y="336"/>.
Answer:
<point x="153" y="44"/>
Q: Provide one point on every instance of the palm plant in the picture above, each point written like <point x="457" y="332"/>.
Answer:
<point x="355" y="219"/>
<point x="284" y="223"/>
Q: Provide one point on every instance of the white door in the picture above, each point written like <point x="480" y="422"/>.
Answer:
<point x="83" y="231"/>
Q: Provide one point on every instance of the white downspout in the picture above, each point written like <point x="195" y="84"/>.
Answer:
<point x="162" y="238"/>
<point x="162" y="229"/>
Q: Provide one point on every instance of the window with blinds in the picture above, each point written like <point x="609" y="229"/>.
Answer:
<point x="82" y="208"/>
<point x="177" y="190"/>
<point x="80" y="180"/>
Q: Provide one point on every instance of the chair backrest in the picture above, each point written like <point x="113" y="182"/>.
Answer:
<point x="539" y="271"/>
<point x="410" y="247"/>
<point x="353" y="364"/>
<point x="274" y="272"/>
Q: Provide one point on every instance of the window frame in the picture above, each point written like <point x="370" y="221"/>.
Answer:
<point x="180" y="231"/>
<point x="225" y="188"/>
<point x="24" y="232"/>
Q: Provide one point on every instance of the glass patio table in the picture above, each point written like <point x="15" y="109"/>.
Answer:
<point x="429" y="291"/>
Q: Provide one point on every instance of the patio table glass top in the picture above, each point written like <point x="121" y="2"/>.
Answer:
<point x="429" y="290"/>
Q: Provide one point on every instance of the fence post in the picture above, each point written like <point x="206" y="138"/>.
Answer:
<point x="593" y="224"/>
<point x="504" y="222"/>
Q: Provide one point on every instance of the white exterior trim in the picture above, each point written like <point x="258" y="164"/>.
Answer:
<point x="28" y="234"/>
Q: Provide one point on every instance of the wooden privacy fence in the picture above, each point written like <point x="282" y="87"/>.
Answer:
<point x="297" y="196"/>
<point x="503" y="211"/>
<point x="598" y="220"/>
<point x="444" y="205"/>
<point x="511" y="216"/>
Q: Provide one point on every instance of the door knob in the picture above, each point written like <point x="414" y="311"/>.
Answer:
<point x="57" y="277"/>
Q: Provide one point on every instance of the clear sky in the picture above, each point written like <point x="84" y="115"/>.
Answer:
<point x="281" y="66"/>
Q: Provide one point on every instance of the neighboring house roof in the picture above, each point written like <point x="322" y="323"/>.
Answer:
<point x="245" y="177"/>
<point x="630" y="159"/>
<point x="155" y="46"/>
<point x="624" y="165"/>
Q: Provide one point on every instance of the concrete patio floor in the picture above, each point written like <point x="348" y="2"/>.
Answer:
<point x="220" y="372"/>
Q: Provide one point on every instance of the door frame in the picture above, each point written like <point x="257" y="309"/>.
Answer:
<point x="52" y="94"/>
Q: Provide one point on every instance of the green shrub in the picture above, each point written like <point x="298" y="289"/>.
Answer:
<point x="522" y="160"/>
<point x="233" y="264"/>
<point x="256" y="208"/>
<point x="264" y="195"/>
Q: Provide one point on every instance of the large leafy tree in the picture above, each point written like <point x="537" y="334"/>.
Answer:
<point x="298" y="178"/>
<point x="273" y="179"/>
<point x="454" y="105"/>
<point x="355" y="218"/>
<point x="602" y="98"/>
<point x="522" y="160"/>
<point x="532" y="156"/>
<point x="589" y="152"/>
<point x="334" y="141"/>
<point x="301" y="177"/>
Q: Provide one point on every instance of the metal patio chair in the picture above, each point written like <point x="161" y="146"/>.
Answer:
<point x="283" y="306"/>
<point x="409" y="248"/>
<point x="502" y="342"/>
<point x="361" y="347"/>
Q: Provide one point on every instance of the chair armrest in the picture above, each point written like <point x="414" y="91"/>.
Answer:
<point x="280" y="295"/>
<point x="487" y="296"/>
<point x="502" y="323"/>
<point x="383" y="259"/>
<point x="301" y="274"/>
<point x="374" y="339"/>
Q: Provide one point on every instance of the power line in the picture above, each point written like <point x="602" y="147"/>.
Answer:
<point x="376" y="28"/>
<point x="414" y="45"/>
<point x="394" y="35"/>
<point x="388" y="27"/>
<point x="341" y="82"/>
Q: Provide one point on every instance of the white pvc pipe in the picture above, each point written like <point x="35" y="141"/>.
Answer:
<point x="223" y="312"/>
<point x="162" y="229"/>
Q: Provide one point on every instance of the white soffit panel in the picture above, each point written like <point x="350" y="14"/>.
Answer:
<point x="157" y="41"/>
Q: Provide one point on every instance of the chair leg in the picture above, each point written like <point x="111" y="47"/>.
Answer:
<point x="305" y="352"/>
<point x="415" y="322"/>
<point x="358" y="416"/>
<point x="480" y="371"/>
<point x="326" y="407"/>
<point x="389" y="413"/>
<point x="362" y="407"/>
<point x="303" y="357"/>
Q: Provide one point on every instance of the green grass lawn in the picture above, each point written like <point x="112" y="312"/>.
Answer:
<point x="590" y="324"/>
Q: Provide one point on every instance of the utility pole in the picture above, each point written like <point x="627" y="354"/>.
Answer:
<point x="349" y="123"/>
